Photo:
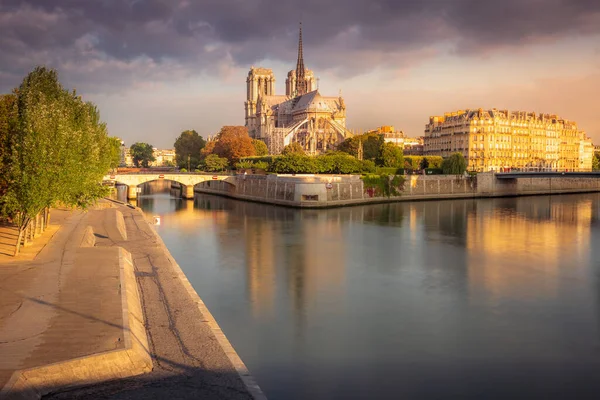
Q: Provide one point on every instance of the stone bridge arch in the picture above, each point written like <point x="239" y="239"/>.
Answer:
<point x="188" y="181"/>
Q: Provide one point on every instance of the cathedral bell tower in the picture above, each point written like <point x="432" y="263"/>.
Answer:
<point x="259" y="83"/>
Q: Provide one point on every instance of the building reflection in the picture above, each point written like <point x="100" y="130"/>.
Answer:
<point x="520" y="246"/>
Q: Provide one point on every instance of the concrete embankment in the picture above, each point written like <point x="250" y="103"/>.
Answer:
<point x="318" y="191"/>
<point x="103" y="306"/>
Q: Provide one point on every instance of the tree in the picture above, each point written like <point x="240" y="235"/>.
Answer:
<point x="215" y="163"/>
<point x="596" y="161"/>
<point x="233" y="143"/>
<point x="455" y="164"/>
<point x="371" y="142"/>
<point x="8" y="118"/>
<point x="260" y="147"/>
<point x="58" y="150"/>
<point x="142" y="154"/>
<point x="424" y="163"/>
<point x="208" y="149"/>
<point x="187" y="149"/>
<point x="114" y="148"/>
<point x="293" y="148"/>
<point x="390" y="156"/>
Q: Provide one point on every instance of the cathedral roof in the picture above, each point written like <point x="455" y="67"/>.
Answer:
<point x="313" y="101"/>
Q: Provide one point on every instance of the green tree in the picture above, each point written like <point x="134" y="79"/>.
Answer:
<point x="455" y="164"/>
<point x="142" y="154"/>
<point x="58" y="150"/>
<point x="260" y="147"/>
<point x="596" y="161"/>
<point x="424" y="163"/>
<point x="390" y="155"/>
<point x="187" y="149"/>
<point x="371" y="142"/>
<point x="233" y="143"/>
<point x="215" y="163"/>
<point x="8" y="118"/>
<point x="293" y="148"/>
<point x="114" y="148"/>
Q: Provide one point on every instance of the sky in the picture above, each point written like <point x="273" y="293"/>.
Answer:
<point x="157" y="67"/>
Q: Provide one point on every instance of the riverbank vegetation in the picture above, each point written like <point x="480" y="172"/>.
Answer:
<point x="54" y="150"/>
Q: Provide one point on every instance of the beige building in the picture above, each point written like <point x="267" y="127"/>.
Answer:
<point x="491" y="140"/>
<point x="411" y="146"/>
<point x="302" y="115"/>
<point x="163" y="157"/>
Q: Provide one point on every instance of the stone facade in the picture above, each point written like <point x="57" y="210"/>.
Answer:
<point x="302" y="115"/>
<point x="491" y="140"/>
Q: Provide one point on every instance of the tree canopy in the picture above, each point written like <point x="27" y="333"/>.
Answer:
<point x="215" y="163"/>
<point x="54" y="148"/>
<point x="455" y="164"/>
<point x="390" y="155"/>
<point x="189" y="144"/>
<point x="371" y="142"/>
<point x="234" y="143"/>
<point x="293" y="148"/>
<point x="260" y="147"/>
<point x="142" y="154"/>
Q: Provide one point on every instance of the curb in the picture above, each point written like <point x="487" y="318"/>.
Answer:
<point x="248" y="380"/>
<point x="133" y="359"/>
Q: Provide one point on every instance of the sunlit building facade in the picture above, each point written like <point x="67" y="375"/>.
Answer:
<point x="491" y="140"/>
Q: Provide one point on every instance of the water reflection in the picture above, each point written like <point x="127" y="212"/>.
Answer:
<point x="492" y="298"/>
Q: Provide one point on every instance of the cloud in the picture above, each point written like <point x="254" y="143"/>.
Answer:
<point x="104" y="44"/>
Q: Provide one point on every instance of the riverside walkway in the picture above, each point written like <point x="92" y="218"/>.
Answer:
<point x="57" y="307"/>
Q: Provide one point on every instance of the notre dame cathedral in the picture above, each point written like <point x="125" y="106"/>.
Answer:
<point x="302" y="115"/>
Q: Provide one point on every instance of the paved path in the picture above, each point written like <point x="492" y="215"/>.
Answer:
<point x="58" y="306"/>
<point x="188" y="360"/>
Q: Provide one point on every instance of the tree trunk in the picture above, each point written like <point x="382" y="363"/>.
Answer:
<point x="47" y="216"/>
<point x="42" y="221"/>
<point x="18" y="245"/>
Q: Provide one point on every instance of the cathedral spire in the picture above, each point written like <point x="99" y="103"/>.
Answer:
<point x="300" y="73"/>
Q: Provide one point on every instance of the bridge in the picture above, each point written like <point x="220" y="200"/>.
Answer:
<point x="546" y="174"/>
<point x="187" y="180"/>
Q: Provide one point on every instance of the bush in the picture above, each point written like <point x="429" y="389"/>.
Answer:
<point x="383" y="185"/>
<point x="182" y="170"/>
<point x="455" y="164"/>
<point x="294" y="164"/>
<point x="215" y="163"/>
<point x="390" y="171"/>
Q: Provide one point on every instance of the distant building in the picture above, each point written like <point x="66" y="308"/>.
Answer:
<point x="411" y="146"/>
<point x="163" y="158"/>
<point x="497" y="139"/>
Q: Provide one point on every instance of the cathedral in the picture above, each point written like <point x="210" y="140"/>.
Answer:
<point x="302" y="115"/>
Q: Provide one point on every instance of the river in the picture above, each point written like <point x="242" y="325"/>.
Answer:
<point x="487" y="298"/>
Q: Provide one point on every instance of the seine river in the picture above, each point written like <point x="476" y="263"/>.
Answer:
<point x="482" y="299"/>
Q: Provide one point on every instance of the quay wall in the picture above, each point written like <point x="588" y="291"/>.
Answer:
<point x="315" y="191"/>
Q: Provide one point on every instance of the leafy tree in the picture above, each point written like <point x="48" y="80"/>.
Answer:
<point x="188" y="145"/>
<point x="8" y="118"/>
<point x="434" y="161"/>
<point x="455" y="164"/>
<point x="215" y="163"/>
<point x="233" y="143"/>
<point x="390" y="156"/>
<point x="424" y="163"/>
<point x="114" y="148"/>
<point x="58" y="150"/>
<point x="293" y="148"/>
<point x="142" y="154"/>
<point x="596" y="161"/>
<point x="372" y="143"/>
<point x="412" y="162"/>
<point x="295" y="164"/>
<point x="208" y="149"/>
<point x="260" y="147"/>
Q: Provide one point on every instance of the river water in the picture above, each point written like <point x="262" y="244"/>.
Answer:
<point x="485" y="299"/>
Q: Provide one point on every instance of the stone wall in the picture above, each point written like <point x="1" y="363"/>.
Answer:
<point x="336" y="190"/>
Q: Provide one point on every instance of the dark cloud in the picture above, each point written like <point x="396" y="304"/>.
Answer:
<point x="129" y="41"/>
